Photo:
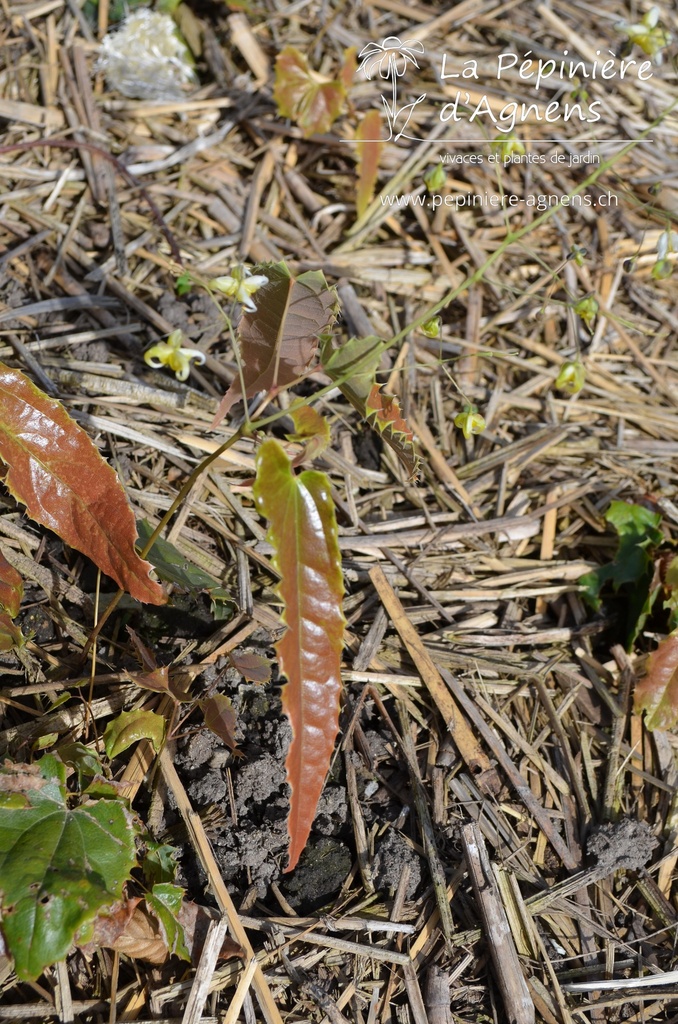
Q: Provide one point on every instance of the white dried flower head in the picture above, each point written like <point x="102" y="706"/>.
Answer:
<point x="145" y="58"/>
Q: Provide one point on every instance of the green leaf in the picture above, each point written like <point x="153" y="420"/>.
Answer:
<point x="164" y="902"/>
<point x="58" y="866"/>
<point x="638" y="531"/>
<point x="354" y="367"/>
<point x="183" y="284"/>
<point x="56" y="471"/>
<point x="657" y="692"/>
<point x="85" y="760"/>
<point x="11" y="636"/>
<point x="303" y="532"/>
<point x="130" y="727"/>
<point x="173" y="567"/>
<point x="278" y="341"/>
<point x="160" y="862"/>
<point x="311" y="100"/>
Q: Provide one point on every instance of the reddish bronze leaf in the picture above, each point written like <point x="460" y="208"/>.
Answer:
<point x="369" y="150"/>
<point x="221" y="719"/>
<point x="252" y="667"/>
<point x="313" y="101"/>
<point x="55" y="470"/>
<point x="657" y="692"/>
<point x="11" y="588"/>
<point x="278" y="341"/>
<point x="383" y="414"/>
<point x="303" y="532"/>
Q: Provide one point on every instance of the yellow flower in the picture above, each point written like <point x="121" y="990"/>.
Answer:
<point x="647" y="34"/>
<point x="587" y="309"/>
<point x="431" y="329"/>
<point x="240" y="285"/>
<point x="469" y="421"/>
<point x="505" y="145"/>
<point x="571" y="377"/>
<point x="170" y="353"/>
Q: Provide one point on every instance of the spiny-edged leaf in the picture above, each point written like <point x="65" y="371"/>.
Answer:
<point x="58" y="868"/>
<point x="657" y="692"/>
<point x="221" y="719"/>
<point x="11" y="636"/>
<point x="353" y="367"/>
<point x="383" y="414"/>
<point x="131" y="726"/>
<point x="311" y="100"/>
<point x="310" y="429"/>
<point x="173" y="567"/>
<point x="638" y="531"/>
<point x="11" y="588"/>
<point x="369" y="151"/>
<point x="303" y="532"/>
<point x="55" y="470"/>
<point x="279" y="340"/>
<point x="164" y="902"/>
<point x="252" y="667"/>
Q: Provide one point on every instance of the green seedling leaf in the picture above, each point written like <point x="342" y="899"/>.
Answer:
<point x="55" y="470"/>
<point x="311" y="100"/>
<point x="11" y="636"/>
<point x="638" y="531"/>
<point x="310" y="429"/>
<point x="164" y="902"/>
<point x="58" y="866"/>
<point x="221" y="719"/>
<point x="11" y="588"/>
<point x="252" y="667"/>
<point x="173" y="567"/>
<point x="131" y="727"/>
<point x="183" y="284"/>
<point x="83" y="759"/>
<point x="657" y="692"/>
<point x="369" y="149"/>
<point x="303" y="531"/>
<point x="278" y="341"/>
<point x="354" y="367"/>
<point x="160" y="862"/>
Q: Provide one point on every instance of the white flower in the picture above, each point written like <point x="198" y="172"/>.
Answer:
<point x="240" y="285"/>
<point x="666" y="243"/>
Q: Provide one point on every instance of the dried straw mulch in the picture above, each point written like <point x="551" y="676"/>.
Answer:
<point x="463" y="588"/>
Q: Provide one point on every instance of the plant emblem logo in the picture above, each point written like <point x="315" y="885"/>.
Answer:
<point x="390" y="59"/>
